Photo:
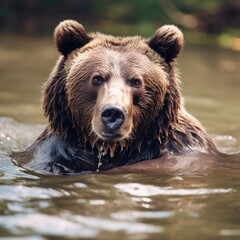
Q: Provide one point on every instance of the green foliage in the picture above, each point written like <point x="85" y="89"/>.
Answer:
<point x="125" y="17"/>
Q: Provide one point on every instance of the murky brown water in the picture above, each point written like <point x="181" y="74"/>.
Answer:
<point x="126" y="206"/>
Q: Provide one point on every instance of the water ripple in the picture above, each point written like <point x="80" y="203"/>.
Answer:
<point x="141" y="190"/>
<point x="133" y="215"/>
<point x="23" y="193"/>
<point x="71" y="226"/>
<point x="115" y="225"/>
<point x="46" y="225"/>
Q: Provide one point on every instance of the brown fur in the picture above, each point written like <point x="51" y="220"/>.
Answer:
<point x="156" y="121"/>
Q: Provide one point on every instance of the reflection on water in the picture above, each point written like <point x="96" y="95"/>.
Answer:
<point x="136" y="189"/>
<point x="126" y="206"/>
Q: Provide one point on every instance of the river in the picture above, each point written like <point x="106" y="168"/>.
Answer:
<point x="123" y="206"/>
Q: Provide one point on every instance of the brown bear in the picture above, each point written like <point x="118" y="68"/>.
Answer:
<point x="113" y="101"/>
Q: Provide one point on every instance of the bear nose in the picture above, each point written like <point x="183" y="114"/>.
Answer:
<point x="113" y="116"/>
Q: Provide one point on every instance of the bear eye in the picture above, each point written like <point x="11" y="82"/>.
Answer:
<point x="135" y="82"/>
<point x="97" y="80"/>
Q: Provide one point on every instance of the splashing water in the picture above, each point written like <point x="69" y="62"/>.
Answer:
<point x="16" y="136"/>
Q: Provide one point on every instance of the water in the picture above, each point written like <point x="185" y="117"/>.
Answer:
<point x="123" y="206"/>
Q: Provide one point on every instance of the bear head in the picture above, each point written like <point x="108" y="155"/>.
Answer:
<point x="113" y="92"/>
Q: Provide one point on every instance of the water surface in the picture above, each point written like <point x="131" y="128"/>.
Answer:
<point x="124" y="206"/>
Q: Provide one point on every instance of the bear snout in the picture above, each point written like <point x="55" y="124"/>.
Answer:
<point x="113" y="116"/>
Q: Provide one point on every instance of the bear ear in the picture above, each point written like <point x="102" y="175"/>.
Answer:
<point x="70" y="35"/>
<point x="167" y="41"/>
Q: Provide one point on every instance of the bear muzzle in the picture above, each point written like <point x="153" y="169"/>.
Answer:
<point x="112" y="115"/>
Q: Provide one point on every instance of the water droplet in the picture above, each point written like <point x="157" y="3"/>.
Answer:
<point x="100" y="154"/>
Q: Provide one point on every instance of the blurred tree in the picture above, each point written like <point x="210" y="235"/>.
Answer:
<point x="126" y="16"/>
